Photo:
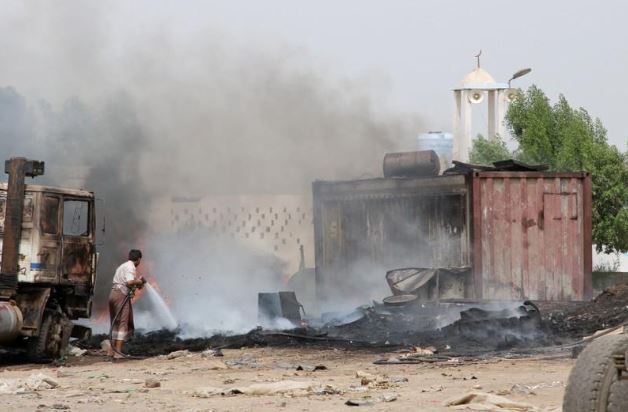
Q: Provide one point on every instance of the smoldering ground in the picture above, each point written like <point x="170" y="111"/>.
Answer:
<point x="153" y="116"/>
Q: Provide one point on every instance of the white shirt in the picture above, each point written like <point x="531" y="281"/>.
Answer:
<point x="124" y="273"/>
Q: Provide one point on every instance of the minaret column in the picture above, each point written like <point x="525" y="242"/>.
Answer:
<point x="492" y="114"/>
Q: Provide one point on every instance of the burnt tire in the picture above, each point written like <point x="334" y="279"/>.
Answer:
<point x="593" y="385"/>
<point x="51" y="342"/>
<point x="618" y="395"/>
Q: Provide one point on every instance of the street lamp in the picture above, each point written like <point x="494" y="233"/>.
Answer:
<point x="518" y="74"/>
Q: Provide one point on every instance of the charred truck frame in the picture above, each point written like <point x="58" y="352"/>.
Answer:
<point x="48" y="266"/>
<point x="506" y="235"/>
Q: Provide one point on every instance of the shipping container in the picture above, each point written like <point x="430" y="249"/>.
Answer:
<point x="521" y="235"/>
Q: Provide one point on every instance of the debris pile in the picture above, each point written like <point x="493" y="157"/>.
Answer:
<point x="453" y="329"/>
<point x="481" y="401"/>
<point x="376" y="327"/>
<point x="285" y="387"/>
<point x="33" y="383"/>
<point x="608" y="309"/>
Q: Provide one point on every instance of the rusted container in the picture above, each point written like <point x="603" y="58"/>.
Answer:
<point x="523" y="235"/>
<point x="411" y="164"/>
<point x="532" y="235"/>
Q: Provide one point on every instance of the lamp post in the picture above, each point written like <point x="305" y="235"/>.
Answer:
<point x="519" y="73"/>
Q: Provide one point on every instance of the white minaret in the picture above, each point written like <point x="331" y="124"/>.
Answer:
<point x="474" y="88"/>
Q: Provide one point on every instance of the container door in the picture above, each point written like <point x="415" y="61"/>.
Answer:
<point x="331" y="250"/>
<point x="563" y="258"/>
<point x="77" y="265"/>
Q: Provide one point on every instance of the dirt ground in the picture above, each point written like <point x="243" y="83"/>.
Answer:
<point x="91" y="383"/>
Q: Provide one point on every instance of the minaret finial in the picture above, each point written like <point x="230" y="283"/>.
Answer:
<point x="477" y="56"/>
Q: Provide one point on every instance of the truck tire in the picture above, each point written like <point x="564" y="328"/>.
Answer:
<point x="618" y="395"/>
<point x="51" y="342"/>
<point x="593" y="385"/>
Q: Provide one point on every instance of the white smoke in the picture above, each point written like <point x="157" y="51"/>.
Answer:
<point x="210" y="283"/>
<point x="143" y="115"/>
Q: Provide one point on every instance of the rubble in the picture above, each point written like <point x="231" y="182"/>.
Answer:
<point x="430" y="350"/>
<point x="388" y="397"/>
<point x="215" y="364"/>
<point x="376" y="327"/>
<point x="244" y="362"/>
<point x="365" y="401"/>
<point x="369" y="400"/>
<point x="295" y="388"/>
<point x="33" y="383"/>
<point x="433" y="388"/>
<point x="74" y="351"/>
<point x="212" y="353"/>
<point x="207" y="392"/>
<point x="152" y="383"/>
<point x="328" y="389"/>
<point x="411" y="359"/>
<point x="607" y="310"/>
<point x="350" y="376"/>
<point x="178" y="354"/>
<point x="301" y="367"/>
<point x="488" y="402"/>
<point x="476" y="332"/>
<point x="378" y="381"/>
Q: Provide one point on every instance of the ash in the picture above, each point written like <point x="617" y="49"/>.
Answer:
<point x="454" y="329"/>
<point x="377" y="327"/>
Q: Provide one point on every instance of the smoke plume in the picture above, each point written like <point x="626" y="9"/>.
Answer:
<point x="153" y="116"/>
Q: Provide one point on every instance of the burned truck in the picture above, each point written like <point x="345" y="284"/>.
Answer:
<point x="48" y="266"/>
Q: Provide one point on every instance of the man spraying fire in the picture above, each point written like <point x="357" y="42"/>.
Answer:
<point x="125" y="281"/>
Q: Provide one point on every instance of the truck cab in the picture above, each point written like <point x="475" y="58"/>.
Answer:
<point x="56" y="268"/>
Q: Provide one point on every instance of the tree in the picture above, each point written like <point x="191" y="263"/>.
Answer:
<point x="569" y="139"/>
<point x="486" y="151"/>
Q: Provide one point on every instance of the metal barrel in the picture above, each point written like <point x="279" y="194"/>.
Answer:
<point x="10" y="321"/>
<point x="411" y="164"/>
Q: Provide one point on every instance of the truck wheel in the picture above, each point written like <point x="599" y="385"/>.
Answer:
<point x="618" y="395"/>
<point x="593" y="385"/>
<point x="52" y="341"/>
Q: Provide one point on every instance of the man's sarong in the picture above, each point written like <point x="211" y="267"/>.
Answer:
<point x="123" y="326"/>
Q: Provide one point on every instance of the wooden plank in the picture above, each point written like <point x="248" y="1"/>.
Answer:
<point x="477" y="234"/>
<point x="498" y="276"/>
<point x="552" y="240"/>
<point x="516" y="238"/>
<point x="488" y="258"/>
<point x="526" y="225"/>
<point x="540" y="264"/>
<point x="571" y="274"/>
<point x="586" y="236"/>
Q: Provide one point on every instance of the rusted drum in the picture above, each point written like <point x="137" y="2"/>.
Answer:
<point x="399" y="300"/>
<point x="411" y="164"/>
<point x="10" y="321"/>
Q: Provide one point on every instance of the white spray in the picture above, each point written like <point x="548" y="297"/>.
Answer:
<point x="160" y="312"/>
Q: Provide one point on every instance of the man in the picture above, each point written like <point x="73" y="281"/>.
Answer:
<point x="124" y="279"/>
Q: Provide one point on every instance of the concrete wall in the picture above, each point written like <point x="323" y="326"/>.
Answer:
<point x="603" y="280"/>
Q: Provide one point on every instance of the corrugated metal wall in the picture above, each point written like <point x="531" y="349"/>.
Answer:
<point x="532" y="235"/>
<point x="362" y="230"/>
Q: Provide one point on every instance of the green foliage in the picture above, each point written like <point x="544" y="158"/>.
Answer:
<point x="486" y="151"/>
<point x="569" y="139"/>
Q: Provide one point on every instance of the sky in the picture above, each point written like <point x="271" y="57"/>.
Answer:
<point x="408" y="54"/>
